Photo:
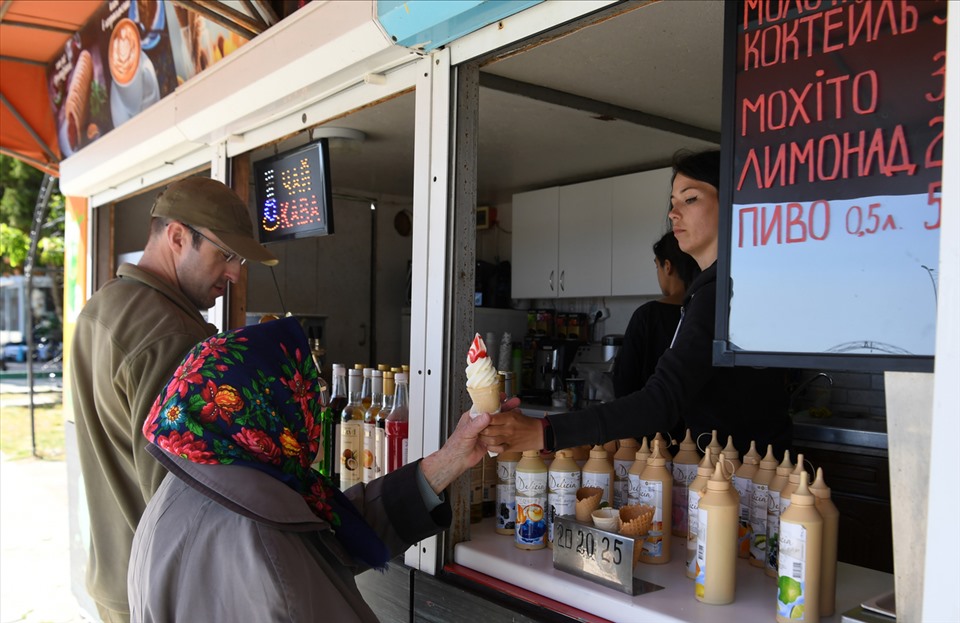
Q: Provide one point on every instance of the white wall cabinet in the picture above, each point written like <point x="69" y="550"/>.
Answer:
<point x="590" y="239"/>
<point x="639" y="207"/>
<point x="533" y="259"/>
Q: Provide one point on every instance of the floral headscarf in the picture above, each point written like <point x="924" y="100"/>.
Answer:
<point x="250" y="397"/>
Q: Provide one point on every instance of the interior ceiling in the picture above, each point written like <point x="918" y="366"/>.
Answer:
<point x="578" y="107"/>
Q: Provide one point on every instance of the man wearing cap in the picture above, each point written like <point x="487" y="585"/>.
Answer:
<point x="128" y="341"/>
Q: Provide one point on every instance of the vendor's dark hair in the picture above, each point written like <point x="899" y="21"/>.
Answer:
<point x="667" y="248"/>
<point x="703" y="166"/>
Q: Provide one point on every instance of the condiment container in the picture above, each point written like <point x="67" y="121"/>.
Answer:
<point x="777" y="484"/>
<point x="704" y="471"/>
<point x="656" y="490"/>
<point x="743" y="482"/>
<point x="684" y="471"/>
<point x="828" y="556"/>
<point x="598" y="472"/>
<point x="506" y="515"/>
<point x="622" y="462"/>
<point x="758" y="508"/>
<point x="801" y="541"/>
<point x="563" y="480"/>
<point x="531" y="485"/>
<point x="717" y="542"/>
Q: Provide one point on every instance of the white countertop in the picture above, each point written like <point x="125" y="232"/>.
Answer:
<point x="756" y="594"/>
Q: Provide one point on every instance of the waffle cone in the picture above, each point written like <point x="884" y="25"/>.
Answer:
<point x="588" y="499"/>
<point x="485" y="399"/>
<point x="635" y="521"/>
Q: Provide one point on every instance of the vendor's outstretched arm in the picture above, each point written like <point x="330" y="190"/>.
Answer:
<point x="511" y="431"/>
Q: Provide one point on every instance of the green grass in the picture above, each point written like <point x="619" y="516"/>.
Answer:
<point x="15" y="431"/>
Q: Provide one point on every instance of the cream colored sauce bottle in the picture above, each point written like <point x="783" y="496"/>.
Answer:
<point x="801" y="540"/>
<point x="622" y="462"/>
<point x="531" y="532"/>
<point x="731" y="455"/>
<point x="684" y="471"/>
<point x="563" y="480"/>
<point x="636" y="471"/>
<point x="743" y="482"/>
<point x="704" y="471"/>
<point x="506" y="517"/>
<point x="828" y="556"/>
<point x="777" y="483"/>
<point x="656" y="490"/>
<point x="793" y="481"/>
<point x="716" y="563"/>
<point x="758" y="508"/>
<point x="598" y="472"/>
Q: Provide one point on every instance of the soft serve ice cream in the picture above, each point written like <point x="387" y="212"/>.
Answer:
<point x="482" y="382"/>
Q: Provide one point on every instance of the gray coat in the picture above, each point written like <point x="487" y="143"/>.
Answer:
<point x="230" y="543"/>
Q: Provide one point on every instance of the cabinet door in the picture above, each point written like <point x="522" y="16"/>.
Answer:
<point x="639" y="206"/>
<point x="534" y="246"/>
<point x="584" y="253"/>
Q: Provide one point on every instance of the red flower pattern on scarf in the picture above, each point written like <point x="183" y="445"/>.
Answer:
<point x="187" y="446"/>
<point x="259" y="444"/>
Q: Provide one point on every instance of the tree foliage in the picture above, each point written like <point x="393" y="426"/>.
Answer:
<point x="19" y="187"/>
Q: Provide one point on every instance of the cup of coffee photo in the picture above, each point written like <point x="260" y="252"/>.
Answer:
<point x="124" y="60"/>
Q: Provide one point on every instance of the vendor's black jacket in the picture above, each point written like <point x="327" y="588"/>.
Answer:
<point x="748" y="403"/>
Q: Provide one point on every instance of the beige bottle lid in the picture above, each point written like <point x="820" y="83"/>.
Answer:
<point x="688" y="443"/>
<point x="705" y="468"/>
<point x="730" y="452"/>
<point x="563" y="454"/>
<point x="597" y="452"/>
<point x="769" y="461"/>
<point x="802" y="496"/>
<point x="718" y="481"/>
<point x="656" y="458"/>
<point x="819" y="487"/>
<point x="785" y="466"/>
<point x="531" y="454"/>
<point x="752" y="457"/>
<point x="644" y="451"/>
<point x="797" y="470"/>
<point x="715" y="443"/>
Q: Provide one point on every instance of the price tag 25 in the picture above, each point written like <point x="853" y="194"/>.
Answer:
<point x="595" y="554"/>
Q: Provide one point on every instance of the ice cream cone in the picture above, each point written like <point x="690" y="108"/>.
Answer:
<point x="485" y="399"/>
<point x="635" y="521"/>
<point x="588" y="499"/>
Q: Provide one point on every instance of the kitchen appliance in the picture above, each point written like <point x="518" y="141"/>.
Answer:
<point x="551" y="363"/>
<point x="611" y="345"/>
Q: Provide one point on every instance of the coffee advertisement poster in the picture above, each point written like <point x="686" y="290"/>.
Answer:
<point x="130" y="55"/>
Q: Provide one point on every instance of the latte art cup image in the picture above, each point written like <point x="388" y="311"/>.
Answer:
<point x="124" y="52"/>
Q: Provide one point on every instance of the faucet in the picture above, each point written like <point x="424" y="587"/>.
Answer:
<point x="801" y="389"/>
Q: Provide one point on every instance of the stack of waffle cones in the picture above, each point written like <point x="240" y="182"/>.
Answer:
<point x="588" y="499"/>
<point x="635" y="521"/>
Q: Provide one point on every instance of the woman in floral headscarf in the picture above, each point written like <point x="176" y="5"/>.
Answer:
<point x="242" y="528"/>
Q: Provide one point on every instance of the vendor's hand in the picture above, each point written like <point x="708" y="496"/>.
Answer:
<point x="512" y="431"/>
<point x="461" y="452"/>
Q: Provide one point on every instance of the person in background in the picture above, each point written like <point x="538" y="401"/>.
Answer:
<point x="653" y="324"/>
<point x="128" y="340"/>
<point x="748" y="403"/>
<point x="242" y="528"/>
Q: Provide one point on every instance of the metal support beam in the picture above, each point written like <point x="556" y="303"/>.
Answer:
<point x="577" y="102"/>
<point x="26" y="126"/>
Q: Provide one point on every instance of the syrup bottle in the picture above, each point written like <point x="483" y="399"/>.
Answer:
<point x="716" y="542"/>
<point x="777" y="483"/>
<point x="743" y="482"/>
<point x="598" y="472"/>
<point x="622" y="462"/>
<point x="828" y="557"/>
<point x="656" y="490"/>
<point x="684" y="471"/>
<point x="801" y="541"/>
<point x="704" y="471"/>
<point x="758" y="508"/>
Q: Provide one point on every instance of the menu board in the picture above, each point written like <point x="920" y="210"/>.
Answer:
<point x="130" y="55"/>
<point x="832" y="154"/>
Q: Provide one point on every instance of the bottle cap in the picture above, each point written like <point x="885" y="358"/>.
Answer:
<point x="597" y="452"/>
<point x="531" y="454"/>
<point x="706" y="464"/>
<point x="752" y="457"/>
<point x="400" y="377"/>
<point x="819" y="487"/>
<point x="687" y="443"/>
<point x="769" y="461"/>
<point x="730" y="452"/>
<point x="785" y="466"/>
<point x="802" y="496"/>
<point x="718" y="482"/>
<point x="795" y="474"/>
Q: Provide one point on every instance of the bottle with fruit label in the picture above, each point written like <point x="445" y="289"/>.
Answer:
<point x="351" y="432"/>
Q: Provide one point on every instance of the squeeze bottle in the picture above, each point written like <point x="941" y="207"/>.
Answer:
<point x="716" y="542"/>
<point x="777" y="484"/>
<point x="684" y="471"/>
<point x="563" y="480"/>
<point x="636" y="472"/>
<point x="506" y="515"/>
<point x="801" y="539"/>
<point x="758" y="508"/>
<point x="656" y="490"/>
<point x="828" y="556"/>
<point x="598" y="472"/>
<point x="622" y="462"/>
<point x="743" y="482"/>
<point x="531" y="482"/>
<point x="704" y="471"/>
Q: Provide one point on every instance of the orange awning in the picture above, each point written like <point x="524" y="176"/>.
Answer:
<point x="32" y="33"/>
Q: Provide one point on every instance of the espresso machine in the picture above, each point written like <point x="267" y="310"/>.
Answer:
<point x="551" y="365"/>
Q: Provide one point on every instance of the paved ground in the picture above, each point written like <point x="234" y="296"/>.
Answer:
<point x="34" y="535"/>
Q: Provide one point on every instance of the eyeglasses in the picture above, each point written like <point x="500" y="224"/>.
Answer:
<point x="228" y="256"/>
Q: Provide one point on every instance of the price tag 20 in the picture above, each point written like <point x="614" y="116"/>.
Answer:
<point x="595" y="554"/>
